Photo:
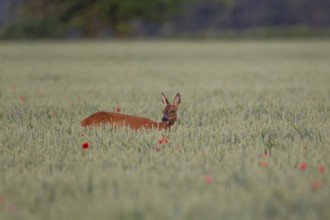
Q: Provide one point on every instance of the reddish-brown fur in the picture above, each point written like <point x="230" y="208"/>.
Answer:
<point x="135" y="123"/>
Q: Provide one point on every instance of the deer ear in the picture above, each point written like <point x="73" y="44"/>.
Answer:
<point x="177" y="99"/>
<point x="164" y="100"/>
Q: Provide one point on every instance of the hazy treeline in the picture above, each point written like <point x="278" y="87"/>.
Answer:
<point x="121" y="18"/>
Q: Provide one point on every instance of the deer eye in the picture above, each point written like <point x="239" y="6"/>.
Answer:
<point x="172" y="112"/>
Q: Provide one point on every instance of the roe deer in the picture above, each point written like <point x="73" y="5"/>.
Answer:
<point x="135" y="123"/>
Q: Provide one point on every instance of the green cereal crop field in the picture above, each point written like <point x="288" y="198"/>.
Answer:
<point x="252" y="140"/>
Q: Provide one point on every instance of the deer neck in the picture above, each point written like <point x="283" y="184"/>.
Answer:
<point x="164" y="125"/>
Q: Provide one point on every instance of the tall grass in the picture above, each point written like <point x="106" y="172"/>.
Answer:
<point x="239" y="100"/>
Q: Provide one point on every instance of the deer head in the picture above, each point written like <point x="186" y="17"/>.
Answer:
<point x="169" y="112"/>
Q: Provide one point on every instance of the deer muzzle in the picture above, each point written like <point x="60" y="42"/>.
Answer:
<point x="165" y="119"/>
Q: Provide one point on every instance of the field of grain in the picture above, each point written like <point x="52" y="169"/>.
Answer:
<point x="239" y="99"/>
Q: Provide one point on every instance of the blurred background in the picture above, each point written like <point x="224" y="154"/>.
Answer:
<point x="74" y="19"/>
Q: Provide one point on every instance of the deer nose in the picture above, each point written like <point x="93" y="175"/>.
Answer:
<point x="164" y="119"/>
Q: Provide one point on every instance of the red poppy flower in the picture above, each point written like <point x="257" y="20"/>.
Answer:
<point x="263" y="164"/>
<point x="178" y="145"/>
<point x="321" y="169"/>
<point x="78" y="97"/>
<point x="157" y="148"/>
<point x="22" y="98"/>
<point x="265" y="155"/>
<point x="302" y="166"/>
<point x="162" y="140"/>
<point x="85" y="145"/>
<point x="118" y="109"/>
<point x="317" y="184"/>
<point x="82" y="135"/>
<point x="2" y="200"/>
<point x="208" y="179"/>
